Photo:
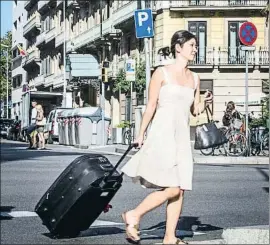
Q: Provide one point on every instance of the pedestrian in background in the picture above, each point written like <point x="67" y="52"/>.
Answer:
<point x="40" y="127"/>
<point x="31" y="130"/>
<point x="165" y="161"/>
<point x="230" y="114"/>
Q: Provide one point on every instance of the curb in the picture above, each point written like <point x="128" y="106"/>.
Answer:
<point x="247" y="235"/>
<point x="215" y="241"/>
<point x="217" y="159"/>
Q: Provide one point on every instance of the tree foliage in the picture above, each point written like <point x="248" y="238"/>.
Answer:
<point x="121" y="84"/>
<point x="140" y="83"/>
<point x="6" y="40"/>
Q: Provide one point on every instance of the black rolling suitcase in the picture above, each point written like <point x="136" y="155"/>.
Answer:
<point x="80" y="194"/>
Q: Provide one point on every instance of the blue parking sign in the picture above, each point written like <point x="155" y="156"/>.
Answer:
<point x="144" y="23"/>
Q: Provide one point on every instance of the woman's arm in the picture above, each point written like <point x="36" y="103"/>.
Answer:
<point x="154" y="88"/>
<point x="198" y="106"/>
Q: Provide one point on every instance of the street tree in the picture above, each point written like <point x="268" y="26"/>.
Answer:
<point x="5" y="43"/>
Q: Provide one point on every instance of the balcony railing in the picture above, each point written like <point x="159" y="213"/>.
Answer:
<point x="218" y="3"/>
<point x="263" y="55"/>
<point x="59" y="39"/>
<point x="32" y="23"/>
<point x="40" y="38"/>
<point x="124" y="13"/>
<point x="58" y="80"/>
<point x="84" y="38"/>
<point x="39" y="80"/>
<point x="50" y="35"/>
<point x="42" y="4"/>
<point x="29" y="3"/>
<point x="49" y="80"/>
<point x="33" y="54"/>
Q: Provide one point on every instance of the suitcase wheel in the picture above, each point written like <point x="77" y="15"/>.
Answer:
<point x="107" y="208"/>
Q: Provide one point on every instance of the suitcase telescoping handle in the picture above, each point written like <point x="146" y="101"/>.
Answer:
<point x="121" y="159"/>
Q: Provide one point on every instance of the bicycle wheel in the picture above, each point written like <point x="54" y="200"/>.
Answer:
<point x="207" y="152"/>
<point x="127" y="138"/>
<point x="236" y="145"/>
<point x="265" y="145"/>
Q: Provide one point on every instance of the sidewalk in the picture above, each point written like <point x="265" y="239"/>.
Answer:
<point x="197" y="156"/>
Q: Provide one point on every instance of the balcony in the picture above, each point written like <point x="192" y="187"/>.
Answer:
<point x="40" y="39"/>
<point x="232" y="57"/>
<point x="263" y="54"/>
<point x="32" y="24"/>
<point x="33" y="56"/>
<point x="59" y="39"/>
<point x="39" y="80"/>
<point x="42" y="6"/>
<point x="84" y="38"/>
<point x="58" y="3"/>
<point x="210" y="5"/>
<point x="124" y="13"/>
<point x="58" y="81"/>
<point x="49" y="80"/>
<point x="50" y="35"/>
<point x="29" y="4"/>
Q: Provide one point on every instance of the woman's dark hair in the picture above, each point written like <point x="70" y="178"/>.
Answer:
<point x="230" y="107"/>
<point x="179" y="37"/>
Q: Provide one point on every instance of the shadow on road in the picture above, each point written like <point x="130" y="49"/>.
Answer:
<point x="186" y="227"/>
<point x="4" y="212"/>
<point x="19" y="151"/>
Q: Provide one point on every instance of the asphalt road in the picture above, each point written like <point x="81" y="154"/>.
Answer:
<point x="223" y="196"/>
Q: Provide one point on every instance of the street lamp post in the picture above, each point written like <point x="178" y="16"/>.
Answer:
<point x="64" y="104"/>
<point x="5" y="46"/>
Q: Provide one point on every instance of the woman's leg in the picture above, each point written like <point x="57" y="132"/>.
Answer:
<point x="43" y="140"/>
<point x="174" y="208"/>
<point x="39" y="140"/>
<point x="151" y="202"/>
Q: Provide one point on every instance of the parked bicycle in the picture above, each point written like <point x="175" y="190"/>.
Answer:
<point x="128" y="136"/>
<point x="237" y="142"/>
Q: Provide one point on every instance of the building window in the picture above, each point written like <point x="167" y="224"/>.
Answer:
<point x="235" y="55"/>
<point x="238" y="2"/>
<point x="198" y="28"/>
<point x="197" y="2"/>
<point x="15" y="25"/>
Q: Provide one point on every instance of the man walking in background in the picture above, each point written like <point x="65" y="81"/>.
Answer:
<point x="31" y="130"/>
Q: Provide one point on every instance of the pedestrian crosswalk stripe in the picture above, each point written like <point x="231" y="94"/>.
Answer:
<point x="19" y="214"/>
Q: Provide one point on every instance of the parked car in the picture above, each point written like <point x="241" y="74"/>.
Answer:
<point x="51" y="126"/>
<point x="4" y="126"/>
<point x="14" y="131"/>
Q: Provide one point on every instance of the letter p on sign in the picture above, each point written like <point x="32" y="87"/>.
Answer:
<point x="142" y="16"/>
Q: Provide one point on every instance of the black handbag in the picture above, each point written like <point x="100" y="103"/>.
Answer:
<point x="207" y="135"/>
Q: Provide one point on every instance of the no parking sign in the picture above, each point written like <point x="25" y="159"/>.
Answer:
<point x="248" y="33"/>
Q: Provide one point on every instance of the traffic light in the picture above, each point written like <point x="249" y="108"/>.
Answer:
<point x="104" y="75"/>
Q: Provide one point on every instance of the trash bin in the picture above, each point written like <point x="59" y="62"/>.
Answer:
<point x="71" y="123"/>
<point x="65" y="127"/>
<point x="60" y="128"/>
<point x="84" y="125"/>
<point x="73" y="126"/>
<point x="100" y="129"/>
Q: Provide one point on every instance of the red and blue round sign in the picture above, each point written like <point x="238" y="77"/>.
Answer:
<point x="248" y="33"/>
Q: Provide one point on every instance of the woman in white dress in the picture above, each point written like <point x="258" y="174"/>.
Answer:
<point x="164" y="161"/>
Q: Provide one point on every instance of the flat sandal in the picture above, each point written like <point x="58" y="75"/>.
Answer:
<point x="130" y="236"/>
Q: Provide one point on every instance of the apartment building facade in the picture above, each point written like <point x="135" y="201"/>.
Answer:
<point x="18" y="73"/>
<point x="106" y="30"/>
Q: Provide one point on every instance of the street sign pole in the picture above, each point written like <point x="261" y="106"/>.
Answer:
<point x="147" y="61"/>
<point x="130" y="76"/>
<point x="247" y="35"/>
<point x="145" y="29"/>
